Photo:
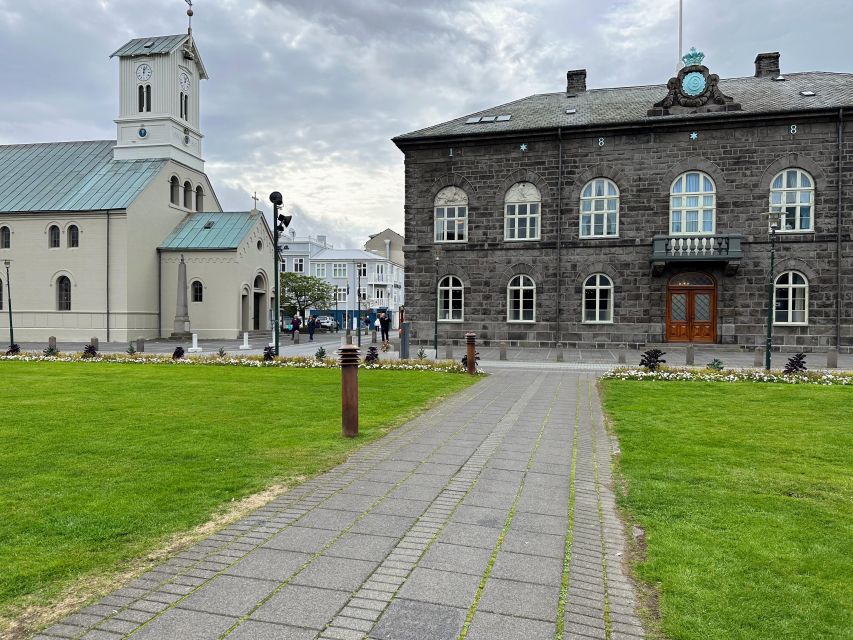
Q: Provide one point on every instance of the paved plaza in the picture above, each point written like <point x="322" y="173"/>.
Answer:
<point x="490" y="516"/>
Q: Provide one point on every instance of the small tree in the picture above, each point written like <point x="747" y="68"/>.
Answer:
<point x="371" y="356"/>
<point x="304" y="292"/>
<point x="652" y="359"/>
<point x="796" y="364"/>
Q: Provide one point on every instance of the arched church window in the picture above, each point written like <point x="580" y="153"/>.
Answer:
<point x="73" y="236"/>
<point x="1" y="294"/>
<point x="5" y="238"/>
<point x="198" y="291"/>
<point x="148" y="97"/>
<point x="141" y="90"/>
<point x="188" y="195"/>
<point x="199" y="198"/>
<point x="186" y="106"/>
<point x="181" y="100"/>
<point x="53" y="237"/>
<point x="63" y="293"/>
<point x="175" y="191"/>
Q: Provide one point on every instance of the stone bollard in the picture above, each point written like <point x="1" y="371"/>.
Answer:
<point x="348" y="356"/>
<point x="346" y="340"/>
<point x="689" y="355"/>
<point x="622" y="357"/>
<point x="758" y="359"/>
<point x="195" y="348"/>
<point x="373" y="337"/>
<point x="559" y="352"/>
<point x="296" y="337"/>
<point x="94" y="342"/>
<point x="502" y="351"/>
<point x="404" y="341"/>
<point x="832" y="359"/>
<point x="51" y="342"/>
<point x="471" y="345"/>
<point x="448" y="352"/>
<point x="140" y="345"/>
<point x="245" y="344"/>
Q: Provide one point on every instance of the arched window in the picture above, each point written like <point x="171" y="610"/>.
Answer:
<point x="451" y="298"/>
<point x="181" y="100"/>
<point x="523" y="212"/>
<point x="598" y="299"/>
<point x="53" y="237"/>
<point x="188" y="195"/>
<point x="63" y="293"/>
<point x="521" y="299"/>
<point x="186" y="106"/>
<point x="792" y="194"/>
<point x="141" y="91"/>
<point x="197" y="291"/>
<point x="5" y="238"/>
<point x="148" y="97"/>
<point x="599" y="209"/>
<point x="1" y="294"/>
<point x="791" y="298"/>
<point x="175" y="190"/>
<point x="199" y="198"/>
<point x="693" y="205"/>
<point x="451" y="215"/>
<point x="73" y="236"/>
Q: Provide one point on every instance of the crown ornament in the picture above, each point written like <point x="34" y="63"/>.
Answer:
<point x="692" y="57"/>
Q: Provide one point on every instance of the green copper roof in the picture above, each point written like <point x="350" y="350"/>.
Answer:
<point x="211" y="231"/>
<point x="70" y="176"/>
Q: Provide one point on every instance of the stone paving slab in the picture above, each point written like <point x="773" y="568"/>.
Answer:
<point x="490" y="516"/>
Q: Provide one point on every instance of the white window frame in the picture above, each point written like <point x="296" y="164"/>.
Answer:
<point x="361" y="269"/>
<point x="797" y="192"/>
<point x="597" y="287"/>
<point x="701" y="207"/>
<point x="193" y="290"/>
<point x="791" y="288"/>
<point x="450" y="200"/>
<point x="515" y="200"/>
<point x="341" y="295"/>
<point x="299" y="265"/>
<point x="320" y="270"/>
<point x="518" y="285"/>
<point x="339" y="269"/>
<point x="450" y="287"/>
<point x="589" y="207"/>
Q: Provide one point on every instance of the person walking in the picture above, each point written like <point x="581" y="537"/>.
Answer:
<point x="312" y="327"/>
<point x="296" y="322"/>
<point x="384" y="325"/>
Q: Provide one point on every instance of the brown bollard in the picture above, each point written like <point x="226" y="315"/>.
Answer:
<point x="471" y="344"/>
<point x="349" y="390"/>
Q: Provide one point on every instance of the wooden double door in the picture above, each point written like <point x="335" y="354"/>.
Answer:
<point x="691" y="308"/>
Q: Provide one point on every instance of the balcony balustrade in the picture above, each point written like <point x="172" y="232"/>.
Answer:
<point x="724" y="248"/>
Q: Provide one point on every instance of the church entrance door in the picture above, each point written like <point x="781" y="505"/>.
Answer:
<point x="691" y="308"/>
<point x="259" y="304"/>
<point x="256" y="315"/>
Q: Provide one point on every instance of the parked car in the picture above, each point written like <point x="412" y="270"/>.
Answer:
<point x="327" y="322"/>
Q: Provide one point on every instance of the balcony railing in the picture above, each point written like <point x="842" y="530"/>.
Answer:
<point x="716" y="248"/>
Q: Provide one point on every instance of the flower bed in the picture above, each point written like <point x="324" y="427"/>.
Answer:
<point x="731" y="375"/>
<point x="446" y="366"/>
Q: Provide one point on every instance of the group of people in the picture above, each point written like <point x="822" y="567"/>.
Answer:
<point x="382" y="323"/>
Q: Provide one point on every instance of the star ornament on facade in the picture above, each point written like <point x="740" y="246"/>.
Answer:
<point x="523" y="147"/>
<point x="694" y="136"/>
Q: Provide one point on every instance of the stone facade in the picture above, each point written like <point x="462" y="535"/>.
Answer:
<point x="741" y="152"/>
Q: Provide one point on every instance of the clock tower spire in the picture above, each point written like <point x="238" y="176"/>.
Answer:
<point x="159" y="80"/>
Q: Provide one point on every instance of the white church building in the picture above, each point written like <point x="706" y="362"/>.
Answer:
<point x="93" y="232"/>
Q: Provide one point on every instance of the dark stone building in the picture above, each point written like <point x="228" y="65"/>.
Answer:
<point x="638" y="215"/>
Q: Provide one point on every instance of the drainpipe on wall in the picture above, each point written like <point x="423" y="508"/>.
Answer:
<point x="108" y="275"/>
<point x="559" y="235"/>
<point x="838" y="297"/>
<point x="160" y="294"/>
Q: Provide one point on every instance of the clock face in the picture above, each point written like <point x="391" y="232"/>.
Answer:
<point x="184" y="79"/>
<point x="693" y="83"/>
<point x="143" y="72"/>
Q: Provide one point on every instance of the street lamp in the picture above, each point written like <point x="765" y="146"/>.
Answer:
<point x="774" y="219"/>
<point x="280" y="222"/>
<point x="435" y="337"/>
<point x="9" y="297"/>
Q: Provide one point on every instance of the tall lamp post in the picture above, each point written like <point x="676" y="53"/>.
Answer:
<point x="280" y="222"/>
<point x="9" y="298"/>
<point x="774" y="218"/>
<point x="435" y="336"/>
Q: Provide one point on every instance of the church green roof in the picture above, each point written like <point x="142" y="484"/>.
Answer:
<point x="70" y="176"/>
<point x="151" y="46"/>
<point x="211" y="231"/>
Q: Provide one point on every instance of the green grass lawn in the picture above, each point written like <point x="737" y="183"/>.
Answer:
<point x="101" y="463"/>
<point x="746" y="495"/>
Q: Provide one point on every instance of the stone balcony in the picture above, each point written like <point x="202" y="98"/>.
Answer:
<point x="711" y="248"/>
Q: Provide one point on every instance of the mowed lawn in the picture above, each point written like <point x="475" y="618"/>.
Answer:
<point x="101" y="463"/>
<point x="746" y="495"/>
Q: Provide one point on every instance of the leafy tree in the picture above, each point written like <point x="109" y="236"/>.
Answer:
<point x="303" y="292"/>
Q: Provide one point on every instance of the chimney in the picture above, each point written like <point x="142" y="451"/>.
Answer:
<point x="387" y="249"/>
<point x="321" y="240"/>
<point x="576" y="81"/>
<point x="767" y="65"/>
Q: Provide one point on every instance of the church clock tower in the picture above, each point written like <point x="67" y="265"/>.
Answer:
<point x="159" y="81"/>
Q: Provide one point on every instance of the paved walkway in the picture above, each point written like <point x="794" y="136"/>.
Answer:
<point x="490" y="516"/>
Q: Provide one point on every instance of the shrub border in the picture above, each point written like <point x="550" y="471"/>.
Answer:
<point x="678" y="374"/>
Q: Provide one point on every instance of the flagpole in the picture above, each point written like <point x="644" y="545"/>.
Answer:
<point x="680" y="35"/>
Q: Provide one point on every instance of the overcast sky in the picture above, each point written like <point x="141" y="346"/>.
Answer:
<point x="305" y="95"/>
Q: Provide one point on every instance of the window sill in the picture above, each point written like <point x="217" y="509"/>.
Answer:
<point x="614" y="237"/>
<point x="523" y="239"/>
<point x="527" y="322"/>
<point x="597" y="322"/>
<point x="788" y="232"/>
<point x="449" y="241"/>
<point x="451" y="321"/>
<point x="790" y="324"/>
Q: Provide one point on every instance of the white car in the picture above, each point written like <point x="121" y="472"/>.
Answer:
<point x="327" y="322"/>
